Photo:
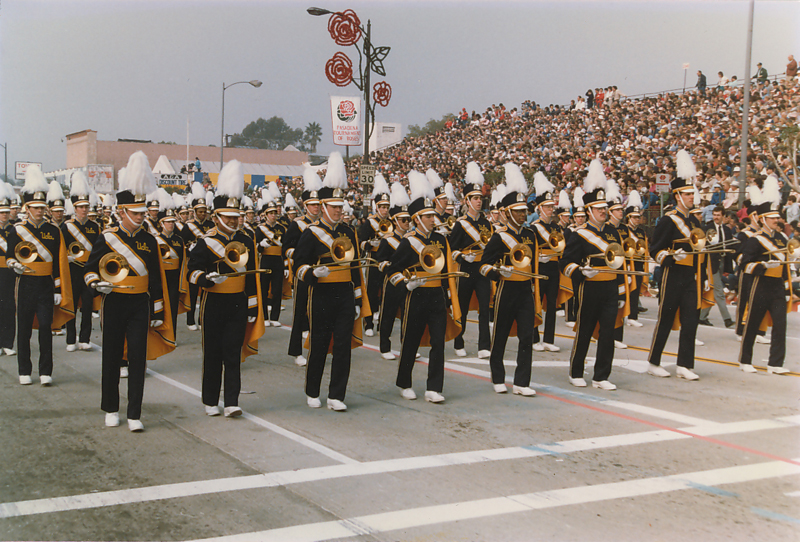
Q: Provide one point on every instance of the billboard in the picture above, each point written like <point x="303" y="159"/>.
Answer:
<point x="385" y="134"/>
<point x="346" y="120"/>
<point x="21" y="167"/>
<point x="101" y="178"/>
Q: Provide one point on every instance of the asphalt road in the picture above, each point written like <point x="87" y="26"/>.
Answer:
<point x="658" y="459"/>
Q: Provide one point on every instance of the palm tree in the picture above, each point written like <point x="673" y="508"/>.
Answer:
<point x="313" y="135"/>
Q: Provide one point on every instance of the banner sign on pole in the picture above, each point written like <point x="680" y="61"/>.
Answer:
<point x="662" y="182"/>
<point x="346" y="120"/>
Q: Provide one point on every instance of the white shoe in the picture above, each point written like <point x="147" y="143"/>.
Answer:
<point x="604" y="385"/>
<point x="369" y="332"/>
<point x="46" y="380"/>
<point x="408" y="393"/>
<point x="417" y="356"/>
<point x="58" y="332"/>
<point x="300" y="361"/>
<point x="275" y="323"/>
<point x="635" y="323"/>
<point x="571" y="325"/>
<point x="747" y="368"/>
<point x="232" y="411"/>
<point x="577" y="382"/>
<point x="657" y="370"/>
<point x="193" y="327"/>
<point x="112" y="419"/>
<point x="25" y="380"/>
<point x="551" y="347"/>
<point x="95" y="315"/>
<point x="683" y="372"/>
<point x="538" y="347"/>
<point x="71" y="348"/>
<point x="500" y="388"/>
<point x="123" y="372"/>
<point x="763" y="339"/>
<point x="336" y="405"/>
<point x="777" y="370"/>
<point x="560" y="313"/>
<point x="135" y="426"/>
<point x="739" y="338"/>
<point x="525" y="391"/>
<point x="9" y="351"/>
<point x="213" y="410"/>
<point x="484" y="354"/>
<point x="460" y="352"/>
<point x="619" y="345"/>
<point x="698" y="342"/>
<point x="313" y="402"/>
<point x="305" y="334"/>
<point x="388" y="355"/>
<point x="84" y="346"/>
<point x="434" y="397"/>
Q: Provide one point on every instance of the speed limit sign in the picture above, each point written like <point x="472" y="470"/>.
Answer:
<point x="366" y="174"/>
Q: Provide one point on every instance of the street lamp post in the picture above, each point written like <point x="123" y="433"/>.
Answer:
<point x="5" y="151"/>
<point x="254" y="83"/>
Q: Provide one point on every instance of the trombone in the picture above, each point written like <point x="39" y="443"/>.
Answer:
<point x="520" y="257"/>
<point x="614" y="256"/>
<point x="25" y="252"/>
<point x="711" y="238"/>
<point x="482" y="241"/>
<point x="385" y="227"/>
<point x="556" y="241"/>
<point x="236" y="255"/>
<point x="114" y="268"/>
<point x="431" y="260"/>
<point x="792" y="251"/>
<point x="343" y="254"/>
<point x="635" y="250"/>
<point x="76" y="249"/>
<point x="698" y="239"/>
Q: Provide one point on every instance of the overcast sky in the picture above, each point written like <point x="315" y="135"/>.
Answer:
<point x="139" y="69"/>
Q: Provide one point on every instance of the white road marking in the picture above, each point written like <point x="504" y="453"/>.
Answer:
<point x="635" y="365"/>
<point x="324" y="450"/>
<point x="375" y="524"/>
<point x="284" y="478"/>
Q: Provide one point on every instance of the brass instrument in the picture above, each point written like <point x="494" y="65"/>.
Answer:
<point x="711" y="240"/>
<point x="634" y="249"/>
<point x="343" y="253"/>
<point x="236" y="255"/>
<point x="792" y="251"/>
<point x="385" y="227"/>
<point x="450" y="222"/>
<point x="431" y="260"/>
<point x="249" y="272"/>
<point x="25" y="252"/>
<point x="76" y="249"/>
<point x="114" y="268"/>
<point x="485" y="235"/>
<point x="698" y="239"/>
<point x="614" y="256"/>
<point x="556" y="241"/>
<point x="163" y="250"/>
<point x="521" y="257"/>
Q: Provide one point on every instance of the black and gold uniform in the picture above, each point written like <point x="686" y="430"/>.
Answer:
<point x="8" y="279"/>
<point x="79" y="238"/>
<point x="269" y="241"/>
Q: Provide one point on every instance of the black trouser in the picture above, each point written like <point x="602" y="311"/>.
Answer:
<point x="85" y="295"/>
<point x="767" y="295"/>
<point x="634" y="295"/>
<point x="193" y="289"/>
<point x="8" y="308"/>
<point x="374" y="284"/>
<point x="745" y="283"/>
<point x="35" y="299"/>
<point x="299" y="318"/>
<point x="332" y="309"/>
<point x="173" y="288"/>
<point x="272" y="285"/>
<point x="513" y="302"/>
<point x="678" y="290"/>
<point x="597" y="304"/>
<point x="124" y="316"/>
<point x="482" y="287"/>
<point x="572" y="307"/>
<point x="224" y="321"/>
<point x="393" y="298"/>
<point x="549" y="290"/>
<point x="424" y="307"/>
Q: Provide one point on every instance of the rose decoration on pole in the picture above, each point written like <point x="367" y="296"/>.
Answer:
<point x="345" y="28"/>
<point x="339" y="70"/>
<point x="382" y="93"/>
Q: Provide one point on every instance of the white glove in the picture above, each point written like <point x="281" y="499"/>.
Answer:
<point x="505" y="271"/>
<point x="788" y="298"/>
<point x="358" y="312"/>
<point x="769" y="265"/>
<point x="706" y="286"/>
<point x="215" y="278"/>
<point x="321" y="272"/>
<point x="251" y="319"/>
<point x="56" y="299"/>
<point x="679" y="255"/>
<point x="588" y="272"/>
<point x="264" y="243"/>
<point x="103" y="287"/>
<point x="620" y="304"/>
<point x="71" y="258"/>
<point x="285" y="273"/>
<point x="413" y="284"/>
<point x="374" y="242"/>
<point x="469" y="257"/>
<point x="156" y="323"/>
<point x="17" y="267"/>
<point x="544" y="258"/>
<point x="276" y="243"/>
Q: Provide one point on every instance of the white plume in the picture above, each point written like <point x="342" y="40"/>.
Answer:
<point x="6" y="192"/>
<point x="696" y="198"/>
<point x="108" y="200"/>
<point x="541" y="185"/>
<point x="771" y="192"/>
<point x="336" y="176"/>
<point x="138" y="177"/>
<point x="613" y="194"/>
<point x="753" y="194"/>
<point x="231" y="180"/>
<point x="69" y="209"/>
<point x="577" y="197"/>
<point x="290" y="201"/>
<point x="210" y="199"/>
<point x="433" y="178"/>
<point x="595" y="178"/>
<point x="474" y="175"/>
<point x="515" y="180"/>
<point x="419" y="185"/>
<point x="381" y="186"/>
<point x="274" y="191"/>
<point x="79" y="185"/>
<point x="121" y="176"/>
<point x="153" y="196"/>
<point x="311" y="181"/>
<point x="399" y="195"/>
<point x="165" y="201"/>
<point x="684" y="166"/>
<point x="634" y="199"/>
<point x="93" y="199"/>
<point x="55" y="193"/>
<point x="346" y="209"/>
<point x="198" y="192"/>
<point x="34" y="180"/>
<point x="563" y="200"/>
<point x="247" y="203"/>
<point x="449" y="191"/>
<point x="179" y="200"/>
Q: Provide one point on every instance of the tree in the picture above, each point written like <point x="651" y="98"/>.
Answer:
<point x="431" y="126"/>
<point x="272" y="134"/>
<point x="785" y="142"/>
<point x="313" y="135"/>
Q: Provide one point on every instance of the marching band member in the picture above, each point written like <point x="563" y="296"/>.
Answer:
<point x="764" y="257"/>
<point x="494" y="200"/>
<point x="300" y="324"/>
<point x="14" y="208"/>
<point x="467" y="239"/>
<point x="514" y="302"/>
<point x="290" y="210"/>
<point x="230" y="314"/>
<point x="440" y="201"/>
<point x="268" y="238"/>
<point x="80" y="233"/>
<point x="125" y="266"/>
<point x="579" y="216"/>
<point x="683" y="277"/>
<point x="55" y="204"/>
<point x="633" y="211"/>
<point x="151" y="218"/>
<point x="547" y="234"/>
<point x="182" y="210"/>
<point x="563" y="211"/>
<point x="245" y="218"/>
<point x="43" y="289"/>
<point x="392" y="297"/>
<point x="195" y="229"/>
<point x="334" y="291"/>
<point x="8" y="305"/>
<point x="425" y="318"/>
<point x="616" y="214"/>
<point x="370" y="236"/>
<point x="173" y="256"/>
<point x="600" y="290"/>
<point x="746" y="279"/>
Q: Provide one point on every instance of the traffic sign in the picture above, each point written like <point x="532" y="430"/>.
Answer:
<point x="662" y="182"/>
<point x="366" y="174"/>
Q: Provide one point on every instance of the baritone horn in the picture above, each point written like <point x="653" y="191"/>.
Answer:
<point x="114" y="268"/>
<point x="25" y="252"/>
<point x="236" y="255"/>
